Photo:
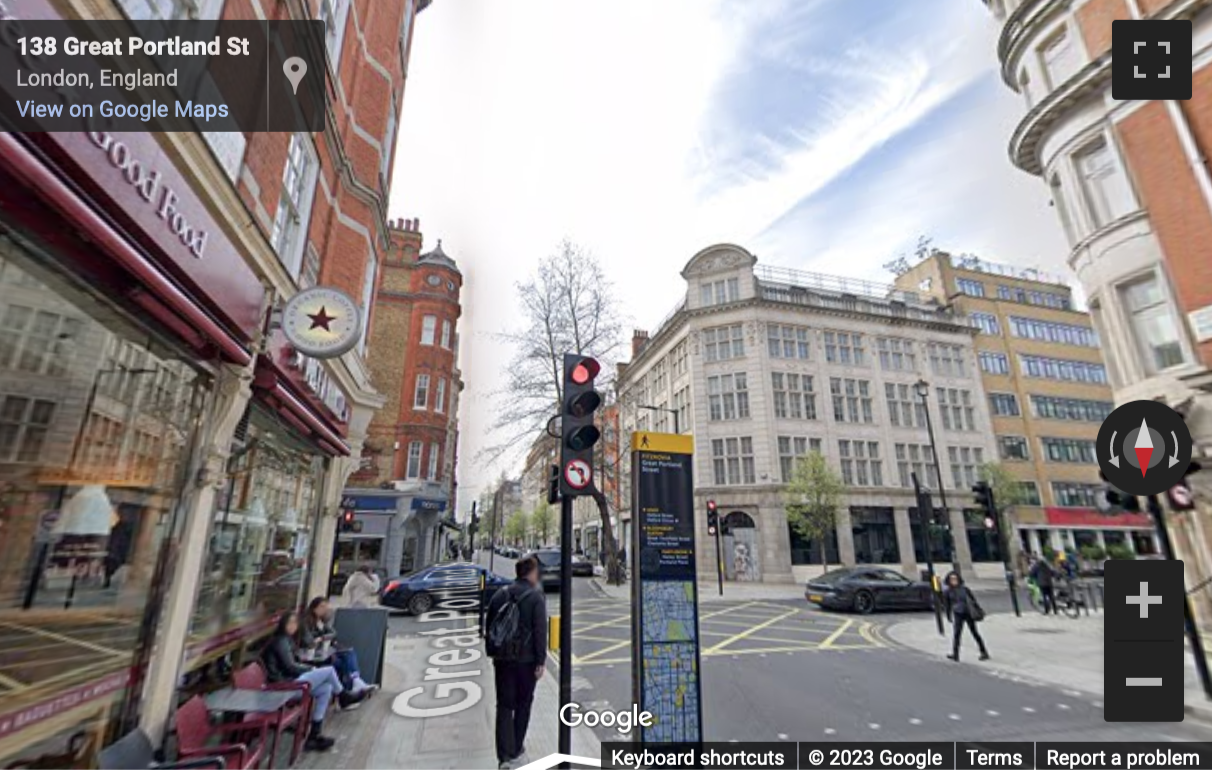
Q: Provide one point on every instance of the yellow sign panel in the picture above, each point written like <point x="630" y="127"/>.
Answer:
<point x="672" y="443"/>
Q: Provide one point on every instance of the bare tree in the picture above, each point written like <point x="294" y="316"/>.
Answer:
<point x="567" y="307"/>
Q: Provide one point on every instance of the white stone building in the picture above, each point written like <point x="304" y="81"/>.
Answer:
<point x="763" y="364"/>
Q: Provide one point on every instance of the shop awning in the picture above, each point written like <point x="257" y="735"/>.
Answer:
<point x="1090" y="518"/>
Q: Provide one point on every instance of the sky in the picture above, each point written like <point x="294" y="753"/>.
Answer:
<point x="822" y="135"/>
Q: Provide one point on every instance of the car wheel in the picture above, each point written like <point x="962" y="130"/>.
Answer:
<point x="420" y="603"/>
<point x="864" y="603"/>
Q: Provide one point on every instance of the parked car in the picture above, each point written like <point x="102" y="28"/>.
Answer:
<point x="415" y="593"/>
<point x="867" y="589"/>
<point x="549" y="566"/>
<point x="581" y="566"/>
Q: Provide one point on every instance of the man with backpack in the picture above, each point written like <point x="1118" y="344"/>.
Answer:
<point x="517" y="643"/>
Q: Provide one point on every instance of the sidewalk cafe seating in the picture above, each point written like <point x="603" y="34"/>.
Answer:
<point x="296" y="714"/>
<point x="195" y="733"/>
<point x="134" y="751"/>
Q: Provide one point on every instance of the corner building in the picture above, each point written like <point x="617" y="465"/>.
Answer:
<point x="406" y="483"/>
<point x="170" y="465"/>
<point x="763" y="364"/>
<point x="1043" y="372"/>
<point x="1132" y="188"/>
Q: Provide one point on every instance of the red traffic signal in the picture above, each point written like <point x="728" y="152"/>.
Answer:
<point x="347" y="517"/>
<point x="584" y="371"/>
<point x="711" y="505"/>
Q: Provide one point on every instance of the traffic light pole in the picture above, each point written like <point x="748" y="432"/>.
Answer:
<point x="925" y="515"/>
<point x="565" y="738"/>
<point x="1003" y="541"/>
<point x="719" y="559"/>
<point x="1193" y="638"/>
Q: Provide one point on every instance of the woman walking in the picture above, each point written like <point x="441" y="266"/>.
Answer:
<point x="964" y="609"/>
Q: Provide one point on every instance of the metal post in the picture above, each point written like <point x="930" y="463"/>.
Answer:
<point x="565" y="738"/>
<point x="492" y="537"/>
<point x="924" y="395"/>
<point x="1197" y="645"/>
<point x="719" y="554"/>
<point x="1003" y="538"/>
<point x="925" y="514"/>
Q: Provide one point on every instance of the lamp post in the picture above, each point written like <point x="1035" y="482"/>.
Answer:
<point x="674" y="412"/>
<point x="923" y="392"/>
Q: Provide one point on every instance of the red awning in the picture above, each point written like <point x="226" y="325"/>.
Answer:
<point x="1080" y="518"/>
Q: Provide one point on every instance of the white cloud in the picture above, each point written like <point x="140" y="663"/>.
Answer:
<point x="625" y="127"/>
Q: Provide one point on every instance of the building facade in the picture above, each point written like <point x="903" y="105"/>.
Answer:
<point x="764" y="364"/>
<point x="407" y="479"/>
<point x="1133" y="191"/>
<point x="1040" y="360"/>
<point x="170" y="466"/>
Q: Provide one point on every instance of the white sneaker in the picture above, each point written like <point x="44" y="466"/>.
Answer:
<point x="520" y="760"/>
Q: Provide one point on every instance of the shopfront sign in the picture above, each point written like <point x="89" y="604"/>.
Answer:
<point x="423" y="504"/>
<point x="63" y="701"/>
<point x="368" y="503"/>
<point x="321" y="384"/>
<point x="322" y="322"/>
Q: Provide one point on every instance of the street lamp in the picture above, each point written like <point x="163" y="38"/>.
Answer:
<point x="923" y="392"/>
<point x="674" y="412"/>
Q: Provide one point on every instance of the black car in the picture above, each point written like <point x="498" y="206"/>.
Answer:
<point x="549" y="566"/>
<point x="415" y="592"/>
<point x="867" y="589"/>
<point x="581" y="566"/>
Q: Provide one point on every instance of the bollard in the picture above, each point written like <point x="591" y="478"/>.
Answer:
<point x="1093" y="599"/>
<point x="1086" y="599"/>
<point x="553" y="633"/>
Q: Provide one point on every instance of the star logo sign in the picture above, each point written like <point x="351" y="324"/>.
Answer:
<point x="1151" y="59"/>
<point x="321" y="320"/>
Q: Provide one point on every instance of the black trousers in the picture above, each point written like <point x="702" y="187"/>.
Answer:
<point x="1048" y="598"/>
<point x="515" y="692"/>
<point x="958" y="621"/>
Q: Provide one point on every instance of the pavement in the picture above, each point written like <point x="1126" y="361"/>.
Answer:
<point x="709" y="591"/>
<point x="1053" y="650"/>
<point x="377" y="734"/>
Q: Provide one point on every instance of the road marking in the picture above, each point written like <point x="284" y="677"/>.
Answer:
<point x="1072" y="693"/>
<point x="603" y="651"/>
<point x="829" y="640"/>
<point x="830" y="731"/>
<point x="954" y="717"/>
<point x="1063" y="706"/>
<point x="992" y="713"/>
<point x="783" y="736"/>
<point x="1098" y="704"/>
<point x="914" y="721"/>
<point x="873" y="725"/>
<point x="1028" y="709"/>
<point x="750" y="632"/>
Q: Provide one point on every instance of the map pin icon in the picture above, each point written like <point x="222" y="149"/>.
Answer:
<point x="295" y="68"/>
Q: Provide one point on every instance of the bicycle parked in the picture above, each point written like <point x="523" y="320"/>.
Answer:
<point x="1065" y="598"/>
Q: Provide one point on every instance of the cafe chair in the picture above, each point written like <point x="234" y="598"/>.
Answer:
<point x="134" y="751"/>
<point x="295" y="714"/>
<point x="195" y="733"/>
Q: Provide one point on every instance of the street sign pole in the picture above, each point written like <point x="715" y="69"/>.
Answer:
<point x="565" y="738"/>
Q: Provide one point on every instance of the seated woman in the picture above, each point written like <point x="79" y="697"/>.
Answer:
<point x="282" y="664"/>
<point x="318" y="640"/>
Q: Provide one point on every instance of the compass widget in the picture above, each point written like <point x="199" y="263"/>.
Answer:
<point x="1144" y="447"/>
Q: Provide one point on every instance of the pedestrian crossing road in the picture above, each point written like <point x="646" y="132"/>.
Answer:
<point x="601" y="631"/>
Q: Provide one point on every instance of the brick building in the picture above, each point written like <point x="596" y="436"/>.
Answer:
<point x="407" y="478"/>
<point x="188" y="461"/>
<point x="1132" y="188"/>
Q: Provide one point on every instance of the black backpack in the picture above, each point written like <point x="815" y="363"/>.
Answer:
<point x="507" y="639"/>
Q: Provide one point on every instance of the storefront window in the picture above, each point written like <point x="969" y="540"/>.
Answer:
<point x="940" y="538"/>
<point x="97" y="426"/>
<point x="260" y="540"/>
<point x="808" y="551"/>
<point x="874" y="536"/>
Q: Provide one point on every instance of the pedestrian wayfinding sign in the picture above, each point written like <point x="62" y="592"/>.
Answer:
<point x="665" y="623"/>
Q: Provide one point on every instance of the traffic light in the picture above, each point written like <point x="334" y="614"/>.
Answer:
<point x="553" y="485"/>
<point x="713" y="518"/>
<point x="983" y="496"/>
<point x="347" y="520"/>
<point x="576" y="425"/>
